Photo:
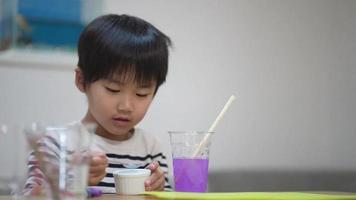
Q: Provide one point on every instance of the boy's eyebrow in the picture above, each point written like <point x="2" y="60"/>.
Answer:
<point x="115" y="81"/>
<point x="145" y="85"/>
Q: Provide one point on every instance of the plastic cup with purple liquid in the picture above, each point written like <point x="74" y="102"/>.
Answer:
<point x="190" y="153"/>
<point x="190" y="168"/>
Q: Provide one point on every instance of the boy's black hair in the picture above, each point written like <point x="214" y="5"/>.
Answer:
<point x="123" y="45"/>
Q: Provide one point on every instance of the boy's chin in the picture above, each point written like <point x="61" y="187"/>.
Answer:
<point x="122" y="133"/>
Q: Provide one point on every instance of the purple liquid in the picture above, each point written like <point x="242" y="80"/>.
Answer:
<point x="190" y="175"/>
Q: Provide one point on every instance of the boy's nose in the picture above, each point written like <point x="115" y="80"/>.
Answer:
<point x="125" y="104"/>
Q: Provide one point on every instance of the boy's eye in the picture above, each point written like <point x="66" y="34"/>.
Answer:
<point x="112" y="90"/>
<point x="142" y="95"/>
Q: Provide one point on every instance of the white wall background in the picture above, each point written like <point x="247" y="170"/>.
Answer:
<point x="291" y="65"/>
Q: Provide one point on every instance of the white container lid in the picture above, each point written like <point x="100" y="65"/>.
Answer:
<point x="132" y="172"/>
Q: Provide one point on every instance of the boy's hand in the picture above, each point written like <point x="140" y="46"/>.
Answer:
<point x="98" y="164"/>
<point x="156" y="181"/>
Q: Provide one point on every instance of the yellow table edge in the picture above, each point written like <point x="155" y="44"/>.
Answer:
<point x="252" y="196"/>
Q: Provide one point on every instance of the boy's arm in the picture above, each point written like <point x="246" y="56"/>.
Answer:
<point x="47" y="149"/>
<point x="35" y="177"/>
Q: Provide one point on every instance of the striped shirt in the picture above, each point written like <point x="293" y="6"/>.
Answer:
<point x="138" y="151"/>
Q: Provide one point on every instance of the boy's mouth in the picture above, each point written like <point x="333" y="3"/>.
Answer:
<point x="121" y="121"/>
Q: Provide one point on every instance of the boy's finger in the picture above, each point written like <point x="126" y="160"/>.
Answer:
<point x="102" y="154"/>
<point x="98" y="154"/>
<point x="95" y="179"/>
<point x="97" y="175"/>
<point x="153" y="166"/>
<point x="158" y="174"/>
<point x="97" y="168"/>
<point x="97" y="160"/>
<point x="156" y="185"/>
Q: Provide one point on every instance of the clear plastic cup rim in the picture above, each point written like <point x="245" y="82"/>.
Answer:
<point x="132" y="172"/>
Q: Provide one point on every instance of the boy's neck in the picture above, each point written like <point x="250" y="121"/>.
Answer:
<point x="103" y="133"/>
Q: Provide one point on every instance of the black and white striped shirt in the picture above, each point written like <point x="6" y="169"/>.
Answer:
<point x="137" y="152"/>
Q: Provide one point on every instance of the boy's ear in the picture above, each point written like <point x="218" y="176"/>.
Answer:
<point x="79" y="80"/>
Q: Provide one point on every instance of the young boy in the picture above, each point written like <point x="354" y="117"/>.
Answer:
<point x="123" y="60"/>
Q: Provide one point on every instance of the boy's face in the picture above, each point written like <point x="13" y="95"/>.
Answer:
<point x="117" y="106"/>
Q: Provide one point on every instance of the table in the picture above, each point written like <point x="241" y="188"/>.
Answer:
<point x="104" y="197"/>
<point x="124" y="197"/>
<point x="262" y="195"/>
<point x="327" y="195"/>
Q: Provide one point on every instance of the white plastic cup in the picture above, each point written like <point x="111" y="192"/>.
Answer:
<point x="131" y="181"/>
